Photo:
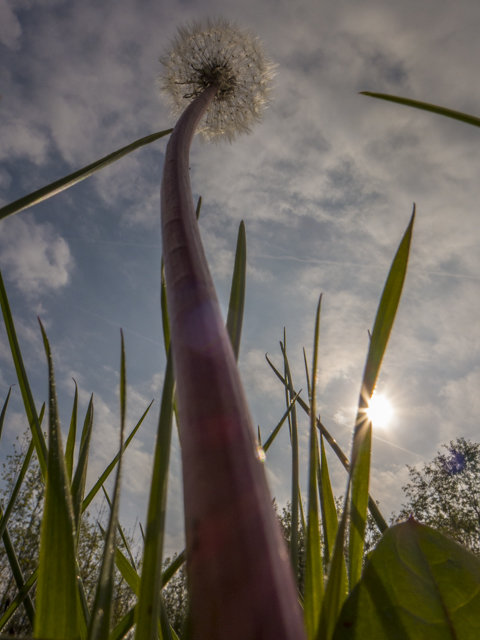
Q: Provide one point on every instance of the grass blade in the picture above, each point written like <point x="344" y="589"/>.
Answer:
<point x="361" y="448"/>
<point x="30" y="410"/>
<point x="72" y="435"/>
<point x="77" y="176"/>
<point x="295" y="481"/>
<point x="426" y="106"/>
<point x="101" y="611"/>
<point x="148" y="605"/>
<point x="372" y="505"/>
<point x="57" y="614"/>
<point x="108" y="470"/>
<point x="237" y="292"/>
<point x="313" y="595"/>
<point x="273" y="435"/>
<point x="80" y="476"/>
<point x="4" y="410"/>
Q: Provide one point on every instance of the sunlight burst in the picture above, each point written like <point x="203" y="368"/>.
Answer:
<point x="380" y="410"/>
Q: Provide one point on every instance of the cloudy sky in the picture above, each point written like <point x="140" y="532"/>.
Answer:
<point x="325" y="185"/>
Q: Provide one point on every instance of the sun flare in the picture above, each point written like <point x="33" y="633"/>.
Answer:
<point x="380" y="410"/>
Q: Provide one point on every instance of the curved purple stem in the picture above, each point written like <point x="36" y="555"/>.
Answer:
<point x="240" y="580"/>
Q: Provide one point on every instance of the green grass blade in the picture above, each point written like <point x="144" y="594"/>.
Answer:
<point x="72" y="435"/>
<point x="295" y="477"/>
<point x="77" y="176"/>
<point x="4" y="411"/>
<point x="22" y="595"/>
<point x="426" y="106"/>
<point x="127" y="571"/>
<point x="18" y="483"/>
<point x="80" y="476"/>
<point x="102" y="607"/>
<point x="30" y="410"/>
<point x="57" y="614"/>
<point x="361" y="448"/>
<point x="327" y="504"/>
<point x="108" y="470"/>
<point x="148" y="605"/>
<point x="273" y="435"/>
<point x="313" y="594"/>
<point x="121" y="532"/>
<point x="336" y="587"/>
<point x="123" y="626"/>
<point x="237" y="292"/>
<point x="372" y="505"/>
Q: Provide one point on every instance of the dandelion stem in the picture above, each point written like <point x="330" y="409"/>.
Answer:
<point x="240" y="581"/>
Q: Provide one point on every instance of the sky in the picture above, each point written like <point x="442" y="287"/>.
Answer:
<point x="325" y="184"/>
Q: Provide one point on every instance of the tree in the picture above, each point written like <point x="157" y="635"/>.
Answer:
<point x="445" y="493"/>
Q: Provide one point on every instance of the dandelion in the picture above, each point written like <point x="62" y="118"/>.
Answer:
<point x="240" y="580"/>
<point x="219" y="55"/>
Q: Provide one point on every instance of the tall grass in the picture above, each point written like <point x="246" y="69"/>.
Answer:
<point x="416" y="582"/>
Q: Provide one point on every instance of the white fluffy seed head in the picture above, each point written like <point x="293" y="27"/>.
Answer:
<point x="218" y="53"/>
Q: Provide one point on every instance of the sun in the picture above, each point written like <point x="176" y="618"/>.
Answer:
<point x="380" y="410"/>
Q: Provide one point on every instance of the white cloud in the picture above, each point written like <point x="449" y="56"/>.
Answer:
<point x="35" y="256"/>
<point x="10" y="29"/>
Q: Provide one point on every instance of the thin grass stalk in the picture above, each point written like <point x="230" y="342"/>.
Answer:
<point x="313" y="593"/>
<point x="77" y="176"/>
<point x="372" y="505"/>
<point x="295" y="472"/>
<point x="235" y="558"/>
<point x="101" y="611"/>
<point x="72" y="435"/>
<point x="148" y="605"/>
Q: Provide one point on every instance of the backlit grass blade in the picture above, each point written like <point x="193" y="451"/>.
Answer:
<point x="273" y="435"/>
<point x="108" y="470"/>
<point x="313" y="589"/>
<point x="57" y="614"/>
<point x="30" y="409"/>
<point x="237" y="292"/>
<point x="295" y="477"/>
<point x="372" y="505"/>
<point x="148" y="605"/>
<point x="336" y="587"/>
<point x="72" y="435"/>
<point x="102" y="606"/>
<point x="361" y="448"/>
<point x="426" y="106"/>
<point x="77" y="176"/>
<point x="80" y="476"/>
<point x="127" y="571"/>
<point x="327" y="504"/>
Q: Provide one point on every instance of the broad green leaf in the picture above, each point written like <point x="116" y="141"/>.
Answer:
<point x="103" y="477"/>
<point x="362" y="438"/>
<point x="72" y="435"/>
<point x="27" y="396"/>
<point x="57" y="614"/>
<point x="77" y="176"/>
<point x="417" y="584"/>
<point x="425" y="106"/>
<point x="148" y="605"/>
<point x="313" y="589"/>
<point x="102" y="607"/>
<point x="237" y="292"/>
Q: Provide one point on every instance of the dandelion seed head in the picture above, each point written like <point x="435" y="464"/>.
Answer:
<point x="218" y="53"/>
